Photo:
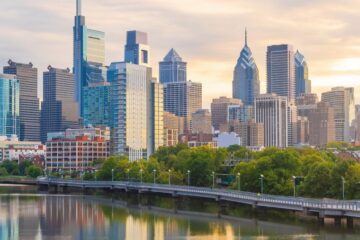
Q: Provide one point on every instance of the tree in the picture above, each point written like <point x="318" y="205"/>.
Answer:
<point x="3" y="172"/>
<point x="23" y="167"/>
<point x="11" y="167"/>
<point x="34" y="171"/>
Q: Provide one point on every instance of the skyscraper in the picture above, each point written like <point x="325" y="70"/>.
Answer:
<point x="89" y="56"/>
<point x="172" y="68"/>
<point x="9" y="105"/>
<point x="183" y="99"/>
<point x="342" y="100"/>
<point x="272" y="111"/>
<point x="97" y="104"/>
<point x="281" y="71"/>
<point x="130" y="117"/>
<point x="303" y="83"/>
<point x="201" y="121"/>
<point x="59" y="110"/>
<point x="29" y="102"/>
<point x="137" y="50"/>
<point x="246" y="83"/>
<point x="157" y="115"/>
<point x="322" y="124"/>
<point x="219" y="110"/>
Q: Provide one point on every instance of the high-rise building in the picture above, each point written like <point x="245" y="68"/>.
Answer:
<point x="303" y="83"/>
<point x="246" y="83"/>
<point x="97" y="104"/>
<point x="29" y="101"/>
<point x="219" y="110"/>
<point x="292" y="124"/>
<point x="272" y="111"/>
<point x="305" y="103"/>
<point x="342" y="100"/>
<point x="183" y="99"/>
<point x="59" y="110"/>
<point x="9" y="105"/>
<point x="173" y="127"/>
<point x="302" y="130"/>
<point x="172" y="68"/>
<point x="137" y="50"/>
<point x="201" y="121"/>
<point x="89" y="56"/>
<point x="322" y="125"/>
<point x="157" y="115"/>
<point x="281" y="71"/>
<point x="130" y="117"/>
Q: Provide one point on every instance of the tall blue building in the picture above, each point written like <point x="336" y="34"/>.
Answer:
<point x="172" y="68"/>
<point x="9" y="105"/>
<point x="137" y="50"/>
<point x="246" y="83"/>
<point x="89" y="56"/>
<point x="303" y="84"/>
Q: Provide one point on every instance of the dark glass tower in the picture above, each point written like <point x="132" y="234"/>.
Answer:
<point x="89" y="56"/>
<point x="172" y="68"/>
<point x="303" y="84"/>
<point x="137" y="50"/>
<point x="29" y="102"/>
<point x="246" y="83"/>
<point x="59" y="111"/>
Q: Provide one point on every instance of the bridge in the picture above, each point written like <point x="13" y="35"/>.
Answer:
<point x="322" y="208"/>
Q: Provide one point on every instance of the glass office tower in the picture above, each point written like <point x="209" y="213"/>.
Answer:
<point x="89" y="56"/>
<point x="29" y="108"/>
<point x="137" y="50"/>
<point x="303" y="84"/>
<point x="130" y="117"/>
<point x="9" y="105"/>
<point x="246" y="82"/>
<point x="172" y="68"/>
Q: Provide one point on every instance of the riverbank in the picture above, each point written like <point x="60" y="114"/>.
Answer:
<point x="17" y="180"/>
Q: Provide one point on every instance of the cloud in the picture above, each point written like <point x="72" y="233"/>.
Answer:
<point x="209" y="34"/>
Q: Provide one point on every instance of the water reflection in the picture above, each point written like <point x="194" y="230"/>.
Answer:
<point x="76" y="217"/>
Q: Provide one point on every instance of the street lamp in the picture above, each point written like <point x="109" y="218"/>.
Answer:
<point x="239" y="181"/>
<point x="262" y="183"/>
<point x="188" y="173"/>
<point x="294" y="181"/>
<point x="95" y="175"/>
<point x="141" y="171"/>
<point x="343" y="187"/>
<point x="128" y="173"/>
<point x="154" y="172"/>
<point x="213" y="179"/>
<point x="112" y="175"/>
<point x="169" y="176"/>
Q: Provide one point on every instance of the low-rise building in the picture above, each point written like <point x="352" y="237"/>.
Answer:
<point x="71" y="152"/>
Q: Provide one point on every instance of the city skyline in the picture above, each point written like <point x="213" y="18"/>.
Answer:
<point x="199" y="33"/>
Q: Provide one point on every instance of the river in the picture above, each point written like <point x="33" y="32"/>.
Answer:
<point x="27" y="214"/>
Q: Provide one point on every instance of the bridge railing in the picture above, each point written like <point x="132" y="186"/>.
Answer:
<point x="328" y="204"/>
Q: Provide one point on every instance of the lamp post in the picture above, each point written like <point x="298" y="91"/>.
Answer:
<point x="294" y="181"/>
<point x="95" y="175"/>
<point x="239" y="181"/>
<point x="128" y="174"/>
<point x="112" y="175"/>
<point x="188" y="173"/>
<point x="169" y="176"/>
<point x="213" y="179"/>
<point x="154" y="172"/>
<point x="261" y="183"/>
<point x="343" y="187"/>
<point x="141" y="171"/>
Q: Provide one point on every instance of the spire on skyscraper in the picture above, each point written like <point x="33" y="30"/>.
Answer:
<point x="245" y="36"/>
<point x="78" y="7"/>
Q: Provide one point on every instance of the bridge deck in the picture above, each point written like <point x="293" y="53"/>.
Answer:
<point x="323" y="207"/>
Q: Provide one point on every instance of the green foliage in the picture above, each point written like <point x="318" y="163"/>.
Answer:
<point x="23" y="167"/>
<point x="3" y="172"/>
<point x="34" y="171"/>
<point x="338" y="145"/>
<point x="11" y="167"/>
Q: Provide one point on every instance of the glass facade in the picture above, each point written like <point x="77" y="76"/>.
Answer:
<point x="303" y="84"/>
<point x="137" y="50"/>
<point x="172" y="68"/>
<point x="89" y="57"/>
<point x="240" y="113"/>
<point x="130" y="104"/>
<point x="246" y="82"/>
<point x="9" y="105"/>
<point x="97" y="104"/>
<point x="157" y="115"/>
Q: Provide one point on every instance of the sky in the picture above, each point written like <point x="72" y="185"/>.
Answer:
<point x="208" y="34"/>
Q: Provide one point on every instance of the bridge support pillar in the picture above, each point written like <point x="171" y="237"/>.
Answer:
<point x="321" y="220"/>
<point x="350" y="222"/>
<point x="337" y="221"/>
